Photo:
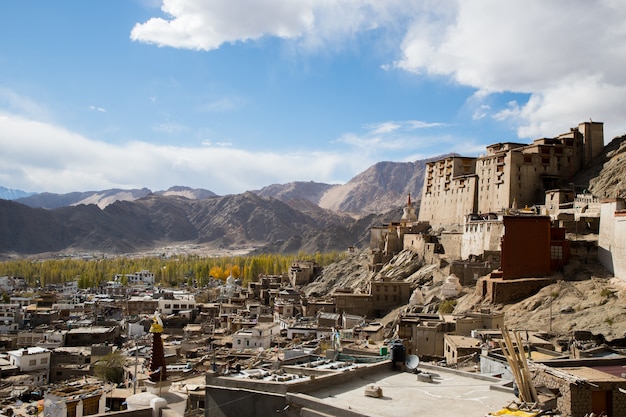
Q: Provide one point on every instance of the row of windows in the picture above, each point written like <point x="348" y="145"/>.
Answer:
<point x="394" y="298"/>
<point x="395" y="288"/>
<point x="178" y="306"/>
<point x="42" y="361"/>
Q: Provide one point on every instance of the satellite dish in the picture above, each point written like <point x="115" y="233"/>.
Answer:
<point x="411" y="362"/>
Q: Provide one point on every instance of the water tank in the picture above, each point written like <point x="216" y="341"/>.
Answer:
<point x="398" y="352"/>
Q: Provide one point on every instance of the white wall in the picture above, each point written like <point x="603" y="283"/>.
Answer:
<point x="612" y="238"/>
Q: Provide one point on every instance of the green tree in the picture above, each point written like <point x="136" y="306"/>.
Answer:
<point x="111" y="368"/>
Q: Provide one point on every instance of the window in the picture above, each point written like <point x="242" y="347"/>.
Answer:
<point x="90" y="406"/>
<point x="32" y="362"/>
<point x="168" y="306"/>
<point x="176" y="306"/>
<point x="43" y="361"/>
<point x="556" y="252"/>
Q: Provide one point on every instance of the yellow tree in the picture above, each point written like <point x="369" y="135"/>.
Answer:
<point x="234" y="271"/>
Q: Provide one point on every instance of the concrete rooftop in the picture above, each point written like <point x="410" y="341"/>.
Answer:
<point x="450" y="394"/>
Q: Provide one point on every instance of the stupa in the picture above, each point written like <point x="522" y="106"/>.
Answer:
<point x="158" y="394"/>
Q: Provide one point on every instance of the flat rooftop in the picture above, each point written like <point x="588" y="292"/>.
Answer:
<point x="449" y="394"/>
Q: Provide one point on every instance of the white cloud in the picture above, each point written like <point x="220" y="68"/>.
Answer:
<point x="12" y="101"/>
<point x="568" y="55"/>
<point x="224" y="104"/>
<point x="393" y="136"/>
<point x="41" y="157"/>
<point x="98" y="109"/>
<point x="553" y="51"/>
<point x="315" y="24"/>
<point x="382" y="128"/>
<point x="207" y="25"/>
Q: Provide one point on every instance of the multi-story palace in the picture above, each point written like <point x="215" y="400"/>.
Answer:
<point x="509" y="175"/>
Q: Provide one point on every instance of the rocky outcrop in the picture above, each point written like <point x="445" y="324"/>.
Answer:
<point x="610" y="181"/>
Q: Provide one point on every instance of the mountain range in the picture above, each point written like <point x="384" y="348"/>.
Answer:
<point x="280" y="218"/>
<point x="287" y="218"/>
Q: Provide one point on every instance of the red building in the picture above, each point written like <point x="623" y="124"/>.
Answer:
<point x="531" y="247"/>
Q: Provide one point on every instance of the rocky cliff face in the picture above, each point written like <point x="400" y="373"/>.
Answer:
<point x="610" y="180"/>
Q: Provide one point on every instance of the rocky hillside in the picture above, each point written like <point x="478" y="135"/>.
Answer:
<point x="609" y="180"/>
<point x="585" y="298"/>
<point x="298" y="190"/>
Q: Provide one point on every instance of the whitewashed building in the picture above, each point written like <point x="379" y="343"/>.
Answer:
<point x="142" y="278"/>
<point x="31" y="359"/>
<point x="180" y="303"/>
<point x="259" y="336"/>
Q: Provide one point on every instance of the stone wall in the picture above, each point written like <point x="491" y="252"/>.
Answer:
<point x="497" y="290"/>
<point x="576" y="399"/>
<point x="469" y="272"/>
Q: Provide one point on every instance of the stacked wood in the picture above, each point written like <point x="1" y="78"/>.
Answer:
<point x="516" y="359"/>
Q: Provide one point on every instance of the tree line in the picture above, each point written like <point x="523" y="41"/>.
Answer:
<point x="193" y="270"/>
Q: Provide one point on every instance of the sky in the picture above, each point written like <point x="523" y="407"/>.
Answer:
<point x="235" y="95"/>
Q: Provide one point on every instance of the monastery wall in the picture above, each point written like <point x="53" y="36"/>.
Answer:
<point x="480" y="236"/>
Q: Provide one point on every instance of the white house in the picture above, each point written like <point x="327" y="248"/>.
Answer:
<point x="178" y="304"/>
<point x="10" y="318"/>
<point x="22" y="301"/>
<point x="30" y="359"/>
<point x="142" y="278"/>
<point x="259" y="336"/>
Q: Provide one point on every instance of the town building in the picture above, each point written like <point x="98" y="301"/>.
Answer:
<point x="256" y="337"/>
<point x="459" y="348"/>
<point x="142" y="279"/>
<point x="10" y="318"/>
<point x="302" y="272"/>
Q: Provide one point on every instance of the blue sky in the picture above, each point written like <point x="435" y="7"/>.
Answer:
<point x="234" y="95"/>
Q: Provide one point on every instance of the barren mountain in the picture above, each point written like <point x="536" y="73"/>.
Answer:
<point x="191" y="193"/>
<point x="100" y="198"/>
<point x="378" y="189"/>
<point x="106" y="197"/>
<point x="10" y="194"/>
<point x="298" y="190"/>
<point x="243" y="220"/>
